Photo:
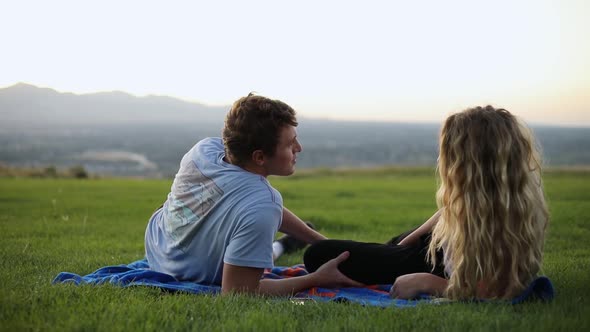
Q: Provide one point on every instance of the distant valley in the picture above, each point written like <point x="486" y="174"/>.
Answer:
<point x="114" y="133"/>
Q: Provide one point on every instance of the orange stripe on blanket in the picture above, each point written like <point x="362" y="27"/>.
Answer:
<point x="316" y="292"/>
<point x="294" y="272"/>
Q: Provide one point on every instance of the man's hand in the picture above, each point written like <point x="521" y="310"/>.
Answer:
<point x="243" y="279"/>
<point x="329" y="276"/>
<point x="409" y="286"/>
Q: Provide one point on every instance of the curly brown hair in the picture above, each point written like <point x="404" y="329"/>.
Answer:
<point x="254" y="123"/>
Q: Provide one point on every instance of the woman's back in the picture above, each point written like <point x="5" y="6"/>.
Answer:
<point x="494" y="212"/>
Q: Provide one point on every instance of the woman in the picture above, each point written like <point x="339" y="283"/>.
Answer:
<point x="486" y="240"/>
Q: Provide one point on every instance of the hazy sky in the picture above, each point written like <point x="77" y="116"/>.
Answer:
<point x="371" y="60"/>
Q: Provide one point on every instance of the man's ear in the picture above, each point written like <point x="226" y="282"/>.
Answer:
<point x="258" y="157"/>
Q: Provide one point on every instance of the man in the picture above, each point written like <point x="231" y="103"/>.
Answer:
<point x="218" y="224"/>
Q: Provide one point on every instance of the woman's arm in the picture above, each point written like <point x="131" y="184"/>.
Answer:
<point x="409" y="286"/>
<point x="426" y="227"/>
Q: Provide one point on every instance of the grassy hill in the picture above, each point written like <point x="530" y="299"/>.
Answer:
<point x="53" y="225"/>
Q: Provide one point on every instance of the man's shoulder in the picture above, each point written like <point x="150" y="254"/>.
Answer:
<point x="261" y="213"/>
<point x="206" y="152"/>
<point x="210" y="143"/>
<point x="257" y="192"/>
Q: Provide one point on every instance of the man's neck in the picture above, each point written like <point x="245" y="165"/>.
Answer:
<point x="249" y="167"/>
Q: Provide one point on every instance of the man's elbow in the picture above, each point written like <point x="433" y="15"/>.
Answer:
<point x="241" y="290"/>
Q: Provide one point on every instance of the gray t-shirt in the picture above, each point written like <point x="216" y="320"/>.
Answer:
<point x="215" y="213"/>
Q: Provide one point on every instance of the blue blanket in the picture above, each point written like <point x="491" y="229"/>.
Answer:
<point x="139" y="274"/>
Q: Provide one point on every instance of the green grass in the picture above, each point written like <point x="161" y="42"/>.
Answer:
<point x="53" y="225"/>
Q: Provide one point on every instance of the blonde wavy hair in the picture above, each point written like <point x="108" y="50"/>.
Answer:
<point x="494" y="214"/>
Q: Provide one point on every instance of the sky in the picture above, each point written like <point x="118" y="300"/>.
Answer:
<point x="405" y="61"/>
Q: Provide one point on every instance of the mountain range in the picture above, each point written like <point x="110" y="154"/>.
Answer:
<point x="24" y="105"/>
<point x="120" y="134"/>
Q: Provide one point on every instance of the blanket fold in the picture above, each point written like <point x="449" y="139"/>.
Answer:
<point x="139" y="274"/>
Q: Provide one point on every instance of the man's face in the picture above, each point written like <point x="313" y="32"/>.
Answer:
<point x="285" y="157"/>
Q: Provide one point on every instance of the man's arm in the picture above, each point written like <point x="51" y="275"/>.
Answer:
<point x="295" y="227"/>
<point x="426" y="227"/>
<point x="243" y="279"/>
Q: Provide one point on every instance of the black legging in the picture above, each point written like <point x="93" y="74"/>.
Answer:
<point x="374" y="263"/>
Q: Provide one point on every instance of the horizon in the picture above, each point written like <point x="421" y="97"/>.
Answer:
<point x="314" y="118"/>
<point x="119" y="133"/>
<point x="393" y="62"/>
